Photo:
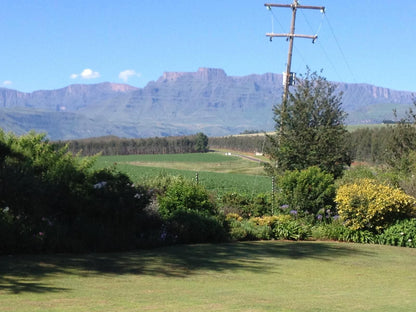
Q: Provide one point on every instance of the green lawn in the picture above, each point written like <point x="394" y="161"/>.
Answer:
<point x="248" y="276"/>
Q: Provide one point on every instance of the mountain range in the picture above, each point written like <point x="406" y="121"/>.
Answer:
<point x="178" y="103"/>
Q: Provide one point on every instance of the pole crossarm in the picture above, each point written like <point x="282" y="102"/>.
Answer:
<point x="272" y="35"/>
<point x="312" y="7"/>
<point x="290" y="37"/>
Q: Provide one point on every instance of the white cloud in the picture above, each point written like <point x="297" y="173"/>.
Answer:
<point x="89" y="74"/>
<point x="86" y="74"/>
<point x="126" y="74"/>
<point x="7" y="83"/>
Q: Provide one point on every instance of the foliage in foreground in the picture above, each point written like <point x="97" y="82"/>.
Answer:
<point x="189" y="213"/>
<point x="402" y="233"/>
<point x="184" y="195"/>
<point x="337" y="231"/>
<point x="307" y="191"/>
<point x="290" y="227"/>
<point x="368" y="205"/>
<point x="53" y="201"/>
<point x="246" y="205"/>
<point x="268" y="227"/>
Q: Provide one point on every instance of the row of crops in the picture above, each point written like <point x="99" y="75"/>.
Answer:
<point x="216" y="171"/>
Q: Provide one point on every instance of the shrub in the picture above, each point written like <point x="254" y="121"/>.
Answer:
<point x="9" y="239"/>
<point x="233" y="216"/>
<point x="184" y="195"/>
<point x="403" y="234"/>
<point x="336" y="230"/>
<point x="354" y="173"/>
<point x="308" y="190"/>
<point x="246" y="205"/>
<point x="268" y="227"/>
<point x="408" y="185"/>
<point x="381" y="174"/>
<point x="52" y="200"/>
<point x="113" y="214"/>
<point x="235" y="203"/>
<point x="260" y="205"/>
<point x="248" y="230"/>
<point x="189" y="214"/>
<point x="358" y="236"/>
<point x="268" y="220"/>
<point x="332" y="231"/>
<point x="368" y="205"/>
<point x="291" y="229"/>
<point x="195" y="227"/>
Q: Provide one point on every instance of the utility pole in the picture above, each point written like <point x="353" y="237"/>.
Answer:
<point x="289" y="77"/>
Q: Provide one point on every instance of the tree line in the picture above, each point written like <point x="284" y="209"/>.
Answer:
<point x="372" y="145"/>
<point x="366" y="144"/>
<point x="112" y="145"/>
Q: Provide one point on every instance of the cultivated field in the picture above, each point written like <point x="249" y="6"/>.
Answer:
<point x="247" y="276"/>
<point x="216" y="171"/>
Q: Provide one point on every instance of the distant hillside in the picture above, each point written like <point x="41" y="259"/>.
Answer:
<point x="178" y="103"/>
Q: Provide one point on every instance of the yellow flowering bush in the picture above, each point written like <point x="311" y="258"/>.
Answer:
<point x="368" y="205"/>
<point x="265" y="220"/>
<point x="233" y="216"/>
<point x="271" y="220"/>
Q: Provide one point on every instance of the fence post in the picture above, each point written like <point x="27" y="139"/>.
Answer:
<point x="273" y="191"/>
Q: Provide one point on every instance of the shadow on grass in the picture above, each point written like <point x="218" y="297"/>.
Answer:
<point x="31" y="273"/>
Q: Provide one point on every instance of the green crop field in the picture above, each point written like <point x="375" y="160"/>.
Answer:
<point x="216" y="171"/>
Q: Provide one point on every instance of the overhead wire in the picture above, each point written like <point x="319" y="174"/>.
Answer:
<point x="321" y="45"/>
<point x="341" y="50"/>
<point x="327" y="56"/>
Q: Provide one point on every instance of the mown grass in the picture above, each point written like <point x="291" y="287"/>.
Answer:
<point x="217" y="172"/>
<point x="248" y="276"/>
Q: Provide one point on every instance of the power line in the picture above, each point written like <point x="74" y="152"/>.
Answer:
<point x="328" y="58"/>
<point x="340" y="49"/>
<point x="320" y="44"/>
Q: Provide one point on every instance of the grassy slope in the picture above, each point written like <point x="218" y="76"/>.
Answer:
<point x="250" y="276"/>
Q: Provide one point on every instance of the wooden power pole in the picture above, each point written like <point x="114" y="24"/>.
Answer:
<point x="289" y="77"/>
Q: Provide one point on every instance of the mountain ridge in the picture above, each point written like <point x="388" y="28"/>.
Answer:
<point x="178" y="103"/>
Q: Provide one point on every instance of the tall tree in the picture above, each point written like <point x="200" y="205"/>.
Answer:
<point x="310" y="129"/>
<point x="201" y="143"/>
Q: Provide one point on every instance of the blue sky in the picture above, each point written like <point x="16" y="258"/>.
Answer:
<point x="51" y="44"/>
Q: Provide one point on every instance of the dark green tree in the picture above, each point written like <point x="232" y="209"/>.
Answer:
<point x="201" y="143"/>
<point x="310" y="129"/>
<point x="401" y="144"/>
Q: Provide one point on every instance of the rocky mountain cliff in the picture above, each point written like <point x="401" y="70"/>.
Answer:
<point x="178" y="103"/>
